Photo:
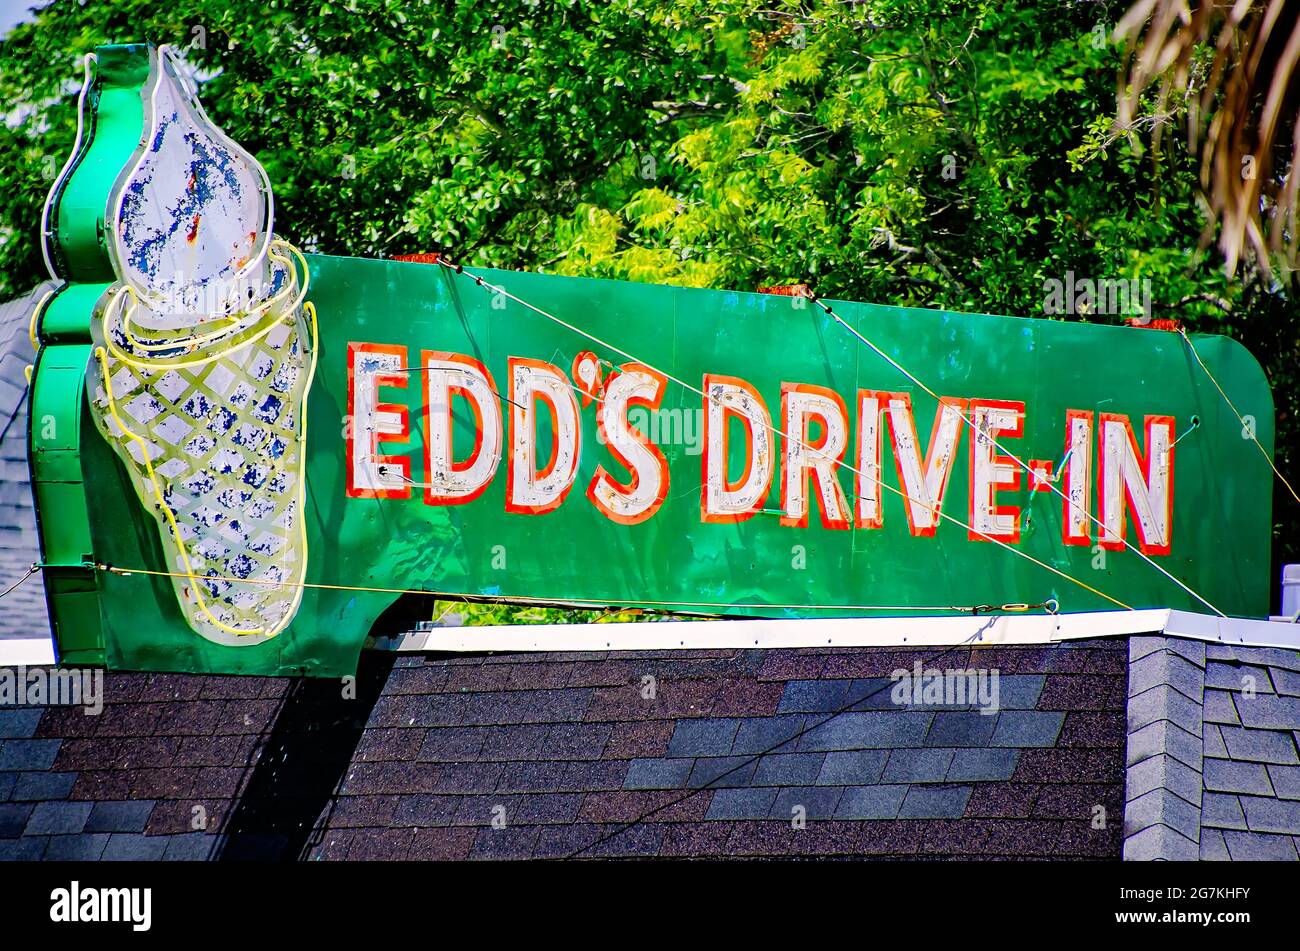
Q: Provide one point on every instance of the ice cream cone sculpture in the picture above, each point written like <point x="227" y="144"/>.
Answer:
<point x="204" y="352"/>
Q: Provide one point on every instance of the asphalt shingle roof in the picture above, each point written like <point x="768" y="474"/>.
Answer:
<point x="1251" y="805"/>
<point x="24" y="613"/>
<point x="541" y="755"/>
<point x="1213" y="768"/>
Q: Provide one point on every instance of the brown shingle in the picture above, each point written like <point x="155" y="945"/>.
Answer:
<point x="441" y="845"/>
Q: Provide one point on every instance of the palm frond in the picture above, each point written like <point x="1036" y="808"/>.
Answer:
<point x="1235" y="67"/>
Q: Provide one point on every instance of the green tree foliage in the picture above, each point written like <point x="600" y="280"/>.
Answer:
<point x="935" y="153"/>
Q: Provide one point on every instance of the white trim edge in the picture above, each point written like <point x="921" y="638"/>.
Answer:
<point x="26" y="652"/>
<point x="797" y="632"/>
<point x="1244" y="632"/>
<point x="794" y="632"/>
<point x="844" y="632"/>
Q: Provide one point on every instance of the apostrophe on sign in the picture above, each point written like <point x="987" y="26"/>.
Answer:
<point x="586" y="375"/>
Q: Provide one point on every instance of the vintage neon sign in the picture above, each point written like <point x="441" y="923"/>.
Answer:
<point x="1136" y="483"/>
<point x="203" y="355"/>
<point x="537" y="450"/>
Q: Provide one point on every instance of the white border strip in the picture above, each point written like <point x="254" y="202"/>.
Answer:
<point x="801" y="632"/>
<point x="1233" y="630"/>
<point x="844" y="632"/>
<point x="26" y="651"/>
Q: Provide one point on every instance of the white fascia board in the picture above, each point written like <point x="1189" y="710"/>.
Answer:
<point x="782" y="633"/>
<point x="918" y="632"/>
<point x="1243" y="632"/>
<point x="26" y="651"/>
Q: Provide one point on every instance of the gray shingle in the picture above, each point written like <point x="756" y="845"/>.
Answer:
<point x="58" y="818"/>
<point x="190" y="847"/>
<point x="1213" y="741"/>
<point x="24" y="607"/>
<point x="1272" y="815"/>
<point x="741" y="803"/>
<point x="1259" y="746"/>
<point x="872" y="693"/>
<point x="1269" y="711"/>
<point x="1222" y="811"/>
<point x="818" y="802"/>
<point x="1159" y="842"/>
<point x="1221" y="671"/>
<point x="868" y="731"/>
<point x="1219" y="707"/>
<point x="1093" y="738"/>
<point x="13" y="817"/>
<point x="36" y="787"/>
<point x="917" y="766"/>
<point x="1019" y="691"/>
<point x="852" y="768"/>
<point x="19" y="723"/>
<point x="1162" y="703"/>
<point x="1213" y="848"/>
<point x="26" y="849"/>
<point x="722" y="772"/>
<point x="1223" y="775"/>
<point x="961" y="729"/>
<point x="1286" y="781"/>
<point x="1164" y="738"/>
<point x="1027" y="728"/>
<point x="1270" y="657"/>
<point x="133" y="847"/>
<point x="1166" y="667"/>
<point x="1238" y="678"/>
<point x="934" y="802"/>
<point x="1187" y="648"/>
<point x="28" y="754"/>
<point x="788" y="769"/>
<point x="703" y="737"/>
<point x="1286" y="682"/>
<point x="813" y="696"/>
<point x="75" y="848"/>
<point x="1165" y="772"/>
<point x="128" y="816"/>
<point x="1139" y="647"/>
<point x="658" y="773"/>
<point x="983" y="765"/>
<point x="760" y="734"/>
<point x="1259" y="847"/>
<point x="1162" y="807"/>
<point x="871" y="802"/>
<point x="965" y="688"/>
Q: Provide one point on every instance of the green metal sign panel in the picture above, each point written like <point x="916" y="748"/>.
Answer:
<point x="524" y="436"/>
